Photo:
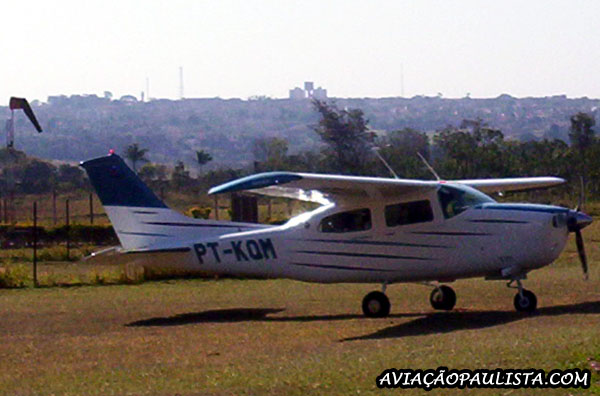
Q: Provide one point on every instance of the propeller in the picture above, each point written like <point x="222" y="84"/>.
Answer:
<point x="576" y="221"/>
<point x="582" y="256"/>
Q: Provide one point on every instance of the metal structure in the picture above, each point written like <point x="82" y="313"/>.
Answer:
<point x="11" y="157"/>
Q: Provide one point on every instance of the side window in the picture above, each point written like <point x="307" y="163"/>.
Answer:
<point x="408" y="213"/>
<point x="351" y="221"/>
<point x="455" y="200"/>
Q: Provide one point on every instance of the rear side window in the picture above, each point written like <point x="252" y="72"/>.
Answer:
<point x="408" y="213"/>
<point x="351" y="221"/>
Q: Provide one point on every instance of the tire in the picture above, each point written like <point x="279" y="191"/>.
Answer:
<point x="443" y="298"/>
<point x="376" y="305"/>
<point x="528" y="303"/>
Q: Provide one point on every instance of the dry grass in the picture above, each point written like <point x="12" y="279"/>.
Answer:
<point x="281" y="337"/>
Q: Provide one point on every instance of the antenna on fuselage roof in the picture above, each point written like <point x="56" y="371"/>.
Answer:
<point x="376" y="151"/>
<point x="429" y="167"/>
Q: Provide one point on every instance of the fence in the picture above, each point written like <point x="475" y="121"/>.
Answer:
<point x="84" y="208"/>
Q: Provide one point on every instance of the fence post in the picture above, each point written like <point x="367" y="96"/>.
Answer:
<point x="68" y="229"/>
<point x="216" y="207"/>
<point x="91" y="209"/>
<point x="13" y="213"/>
<point x="35" y="242"/>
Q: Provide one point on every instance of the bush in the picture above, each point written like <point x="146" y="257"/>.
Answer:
<point x="55" y="253"/>
<point x="200" y="212"/>
<point x="22" y="235"/>
<point x="15" y="275"/>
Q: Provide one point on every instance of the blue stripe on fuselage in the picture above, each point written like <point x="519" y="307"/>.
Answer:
<point x="523" y="207"/>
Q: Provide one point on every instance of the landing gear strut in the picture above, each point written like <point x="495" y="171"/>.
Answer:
<point x="525" y="300"/>
<point x="443" y="297"/>
<point x="376" y="304"/>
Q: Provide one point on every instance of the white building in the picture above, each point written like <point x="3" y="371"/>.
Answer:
<point x="309" y="92"/>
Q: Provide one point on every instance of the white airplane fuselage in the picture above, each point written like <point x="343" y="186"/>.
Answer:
<point x="368" y="230"/>
<point x="490" y="240"/>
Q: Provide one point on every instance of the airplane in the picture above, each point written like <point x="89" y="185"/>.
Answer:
<point x="366" y="230"/>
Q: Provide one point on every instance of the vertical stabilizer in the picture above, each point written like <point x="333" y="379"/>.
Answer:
<point x="140" y="219"/>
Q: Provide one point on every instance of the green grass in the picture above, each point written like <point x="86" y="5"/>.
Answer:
<point x="282" y="337"/>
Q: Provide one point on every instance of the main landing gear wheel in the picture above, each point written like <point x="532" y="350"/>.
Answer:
<point x="376" y="305"/>
<point x="525" y="301"/>
<point x="443" y="297"/>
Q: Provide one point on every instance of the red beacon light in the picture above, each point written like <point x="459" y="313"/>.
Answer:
<point x="111" y="152"/>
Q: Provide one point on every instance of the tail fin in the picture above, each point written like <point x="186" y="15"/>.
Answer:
<point x="140" y="219"/>
<point x="117" y="185"/>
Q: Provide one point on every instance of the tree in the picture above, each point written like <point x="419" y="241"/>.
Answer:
<point x="38" y="177"/>
<point x="473" y="150"/>
<point x="155" y="175"/>
<point x="70" y="177"/>
<point x="203" y="158"/>
<point x="135" y="154"/>
<point x="581" y="136"/>
<point x="400" y="148"/>
<point x="349" y="141"/>
<point x="147" y="172"/>
<point x="180" y="177"/>
<point x="270" y="153"/>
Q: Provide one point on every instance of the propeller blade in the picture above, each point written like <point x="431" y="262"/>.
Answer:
<point x="581" y="251"/>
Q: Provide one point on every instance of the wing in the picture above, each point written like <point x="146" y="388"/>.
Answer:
<point x="321" y="188"/>
<point x="511" y="184"/>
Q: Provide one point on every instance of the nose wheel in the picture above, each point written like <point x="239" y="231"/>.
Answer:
<point x="525" y="300"/>
<point x="376" y="305"/>
<point x="443" y="298"/>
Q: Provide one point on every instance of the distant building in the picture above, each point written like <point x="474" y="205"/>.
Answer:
<point x="320" y="93"/>
<point x="58" y="100"/>
<point x="77" y="100"/>
<point x="128" y="98"/>
<point x="297" y="93"/>
<point x="309" y="92"/>
<point x="309" y="86"/>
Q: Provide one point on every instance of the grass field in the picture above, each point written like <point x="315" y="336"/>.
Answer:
<point x="280" y="337"/>
<point x="226" y="337"/>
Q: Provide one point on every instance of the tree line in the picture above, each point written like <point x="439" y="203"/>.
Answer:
<point x="349" y="145"/>
<point x="472" y="149"/>
<point x="89" y="126"/>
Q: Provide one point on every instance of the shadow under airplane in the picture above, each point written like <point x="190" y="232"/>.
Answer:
<point x="424" y="324"/>
<point x="245" y="315"/>
<point x="446" y="322"/>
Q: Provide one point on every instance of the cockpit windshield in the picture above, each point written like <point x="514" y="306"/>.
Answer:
<point x="456" y="199"/>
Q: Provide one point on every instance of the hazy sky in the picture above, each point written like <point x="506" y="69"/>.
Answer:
<point x="352" y="48"/>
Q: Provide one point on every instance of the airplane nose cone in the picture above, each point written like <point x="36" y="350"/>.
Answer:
<point x="578" y="220"/>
